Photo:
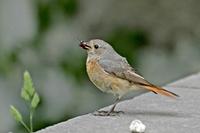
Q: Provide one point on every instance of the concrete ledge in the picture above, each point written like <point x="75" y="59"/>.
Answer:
<point x="158" y="113"/>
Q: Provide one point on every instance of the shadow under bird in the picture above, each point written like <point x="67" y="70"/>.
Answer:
<point x="111" y="73"/>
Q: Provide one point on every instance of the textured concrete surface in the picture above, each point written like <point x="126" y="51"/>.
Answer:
<point x="158" y="113"/>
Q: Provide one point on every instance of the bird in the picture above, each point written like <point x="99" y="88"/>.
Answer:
<point x="111" y="73"/>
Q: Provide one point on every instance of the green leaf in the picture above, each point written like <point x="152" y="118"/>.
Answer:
<point x="35" y="101"/>
<point x="25" y="95"/>
<point x="28" y="84"/>
<point x="16" y="114"/>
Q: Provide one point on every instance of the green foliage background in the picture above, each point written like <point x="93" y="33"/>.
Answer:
<point x="160" y="39"/>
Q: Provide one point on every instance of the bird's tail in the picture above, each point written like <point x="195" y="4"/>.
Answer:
<point x="159" y="90"/>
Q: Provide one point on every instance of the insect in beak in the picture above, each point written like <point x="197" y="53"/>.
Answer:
<point x="84" y="45"/>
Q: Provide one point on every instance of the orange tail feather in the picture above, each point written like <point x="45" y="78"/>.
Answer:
<point x="159" y="90"/>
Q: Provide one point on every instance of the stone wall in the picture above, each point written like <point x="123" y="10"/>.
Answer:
<point x="158" y="113"/>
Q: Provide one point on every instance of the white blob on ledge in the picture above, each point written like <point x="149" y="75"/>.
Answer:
<point x="137" y="126"/>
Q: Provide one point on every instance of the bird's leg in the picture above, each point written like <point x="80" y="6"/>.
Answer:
<point x="111" y="112"/>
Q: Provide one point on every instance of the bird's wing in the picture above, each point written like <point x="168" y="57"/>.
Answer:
<point x="121" y="69"/>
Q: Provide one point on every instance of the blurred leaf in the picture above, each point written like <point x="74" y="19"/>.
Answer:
<point x="46" y="10"/>
<point x="128" y="41"/>
<point x="43" y="11"/>
<point x="28" y="84"/>
<point x="35" y="101"/>
<point x="25" y="95"/>
<point x="69" y="7"/>
<point x="75" y="67"/>
<point x="7" y="61"/>
<point x="16" y="114"/>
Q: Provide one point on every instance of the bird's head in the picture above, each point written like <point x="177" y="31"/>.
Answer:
<point x="96" y="47"/>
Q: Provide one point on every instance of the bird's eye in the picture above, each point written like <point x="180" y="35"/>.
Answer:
<point x="96" y="46"/>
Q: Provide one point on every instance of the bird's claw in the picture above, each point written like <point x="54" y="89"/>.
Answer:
<point x="106" y="113"/>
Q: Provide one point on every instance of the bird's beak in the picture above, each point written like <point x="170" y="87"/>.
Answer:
<point x="84" y="45"/>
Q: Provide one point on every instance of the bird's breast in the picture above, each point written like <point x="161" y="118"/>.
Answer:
<point x="104" y="81"/>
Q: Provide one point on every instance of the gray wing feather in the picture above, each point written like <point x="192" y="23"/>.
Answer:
<point x="121" y="69"/>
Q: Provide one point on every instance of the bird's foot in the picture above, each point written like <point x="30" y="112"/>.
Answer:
<point x="107" y="113"/>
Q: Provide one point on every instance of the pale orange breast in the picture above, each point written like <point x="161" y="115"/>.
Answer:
<point x="104" y="81"/>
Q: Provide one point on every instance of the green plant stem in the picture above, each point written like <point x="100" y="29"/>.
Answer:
<point x="26" y="127"/>
<point x="31" y="120"/>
